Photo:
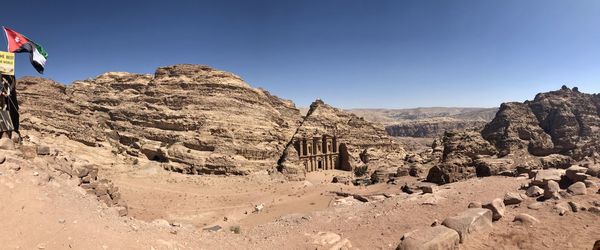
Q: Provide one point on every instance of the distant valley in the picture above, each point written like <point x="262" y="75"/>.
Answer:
<point x="427" y="122"/>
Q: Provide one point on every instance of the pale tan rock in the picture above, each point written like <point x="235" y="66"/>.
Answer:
<point x="577" y="188"/>
<point x="535" y="205"/>
<point x="545" y="175"/>
<point x="562" y="208"/>
<point x="526" y="219"/>
<point x="7" y="144"/>
<point x="470" y="221"/>
<point x="431" y="238"/>
<point x="551" y="190"/>
<point x="512" y="198"/>
<point x="534" y="191"/>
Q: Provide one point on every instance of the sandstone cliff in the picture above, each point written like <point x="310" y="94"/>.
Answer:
<point x="193" y="118"/>
<point x="45" y="106"/>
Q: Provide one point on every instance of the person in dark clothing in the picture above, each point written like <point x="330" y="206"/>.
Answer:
<point x="9" y="94"/>
<point x="13" y="105"/>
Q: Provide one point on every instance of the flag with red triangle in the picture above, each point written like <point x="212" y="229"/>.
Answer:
<point x="18" y="43"/>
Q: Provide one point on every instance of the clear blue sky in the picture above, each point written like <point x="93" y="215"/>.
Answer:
<point x="391" y="54"/>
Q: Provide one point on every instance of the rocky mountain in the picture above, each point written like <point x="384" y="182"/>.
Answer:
<point x="555" y="129"/>
<point x="427" y="122"/>
<point x="194" y="119"/>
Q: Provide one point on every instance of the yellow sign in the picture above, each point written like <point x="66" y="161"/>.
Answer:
<point x="7" y="63"/>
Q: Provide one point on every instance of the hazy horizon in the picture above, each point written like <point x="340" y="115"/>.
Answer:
<point x="351" y="54"/>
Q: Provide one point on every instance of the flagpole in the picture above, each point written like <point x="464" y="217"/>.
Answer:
<point x="6" y="36"/>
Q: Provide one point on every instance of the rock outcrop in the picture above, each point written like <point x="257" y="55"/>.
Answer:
<point x="565" y="121"/>
<point x="554" y="130"/>
<point x="45" y="106"/>
<point x="461" y="151"/>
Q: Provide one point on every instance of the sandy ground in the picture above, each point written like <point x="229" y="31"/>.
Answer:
<point x="37" y="213"/>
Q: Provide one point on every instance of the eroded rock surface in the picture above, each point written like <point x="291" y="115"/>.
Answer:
<point x="195" y="120"/>
<point x="565" y="121"/>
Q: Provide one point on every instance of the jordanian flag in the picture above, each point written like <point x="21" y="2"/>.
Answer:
<point x="18" y="43"/>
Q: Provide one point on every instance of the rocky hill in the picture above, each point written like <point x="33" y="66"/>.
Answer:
<point x="565" y="121"/>
<point x="427" y="122"/>
<point x="555" y="129"/>
<point x="194" y="119"/>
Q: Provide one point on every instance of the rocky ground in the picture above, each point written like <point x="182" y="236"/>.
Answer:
<point x="44" y="208"/>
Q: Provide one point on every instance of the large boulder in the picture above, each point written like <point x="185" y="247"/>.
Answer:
<point x="470" y="221"/>
<point x="464" y="147"/>
<point x="512" y="198"/>
<point x="447" y="172"/>
<point x="555" y="161"/>
<point x="534" y="191"/>
<point x="431" y="238"/>
<point x="542" y="176"/>
<point x="577" y="188"/>
<point x="493" y="166"/>
<point x="551" y="190"/>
